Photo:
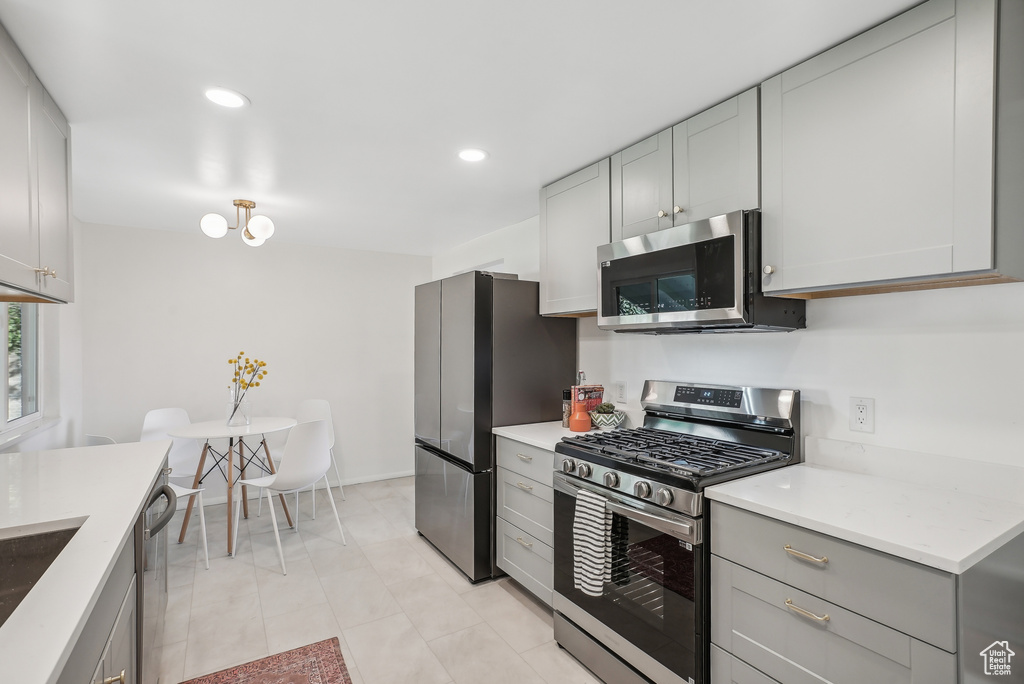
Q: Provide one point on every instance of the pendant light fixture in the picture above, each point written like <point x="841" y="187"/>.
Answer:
<point x="255" y="229"/>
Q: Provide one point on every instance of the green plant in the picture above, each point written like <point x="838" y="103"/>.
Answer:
<point x="606" y="407"/>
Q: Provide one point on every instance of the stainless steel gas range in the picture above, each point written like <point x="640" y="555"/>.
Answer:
<point x="632" y="600"/>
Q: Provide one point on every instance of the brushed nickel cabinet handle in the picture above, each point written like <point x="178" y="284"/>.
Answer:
<point x="524" y="457"/>
<point x="806" y="613"/>
<point x="805" y="556"/>
<point x="768" y="269"/>
<point x="523" y="485"/>
<point x="115" y="680"/>
<point x="662" y="213"/>
<point x="677" y="209"/>
<point x="524" y="543"/>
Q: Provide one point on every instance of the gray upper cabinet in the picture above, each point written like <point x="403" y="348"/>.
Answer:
<point x="53" y="142"/>
<point x="18" y="237"/>
<point x="574" y="220"/>
<point x="702" y="167"/>
<point x="715" y="161"/>
<point x="642" y="187"/>
<point x="878" y="157"/>
<point x="35" y="214"/>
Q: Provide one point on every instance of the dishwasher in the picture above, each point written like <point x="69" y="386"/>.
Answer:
<point x="151" y="567"/>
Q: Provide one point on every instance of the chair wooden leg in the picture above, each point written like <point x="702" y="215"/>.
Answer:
<point x="234" y="528"/>
<point x="337" y="517"/>
<point x="277" y="535"/>
<point x="202" y="529"/>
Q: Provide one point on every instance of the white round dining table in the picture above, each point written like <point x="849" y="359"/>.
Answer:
<point x="236" y="435"/>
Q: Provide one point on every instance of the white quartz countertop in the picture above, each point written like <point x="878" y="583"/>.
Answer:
<point x="103" y="488"/>
<point x="540" y="435"/>
<point x="939" y="527"/>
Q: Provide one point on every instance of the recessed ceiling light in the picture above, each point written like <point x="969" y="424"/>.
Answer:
<point x="226" y="98"/>
<point x="472" y="155"/>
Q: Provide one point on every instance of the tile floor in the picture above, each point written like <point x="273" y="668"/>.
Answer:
<point x="401" y="612"/>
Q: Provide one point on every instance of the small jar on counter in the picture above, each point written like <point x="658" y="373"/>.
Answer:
<point x="566" y="407"/>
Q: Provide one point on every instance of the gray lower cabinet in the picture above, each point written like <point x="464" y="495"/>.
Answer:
<point x="525" y="515"/>
<point x="799" y="606"/>
<point x="108" y="644"/>
<point x="728" y="669"/>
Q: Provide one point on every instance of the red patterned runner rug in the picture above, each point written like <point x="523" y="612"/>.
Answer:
<point x="319" y="663"/>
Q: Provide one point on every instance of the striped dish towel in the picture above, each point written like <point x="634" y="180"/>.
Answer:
<point x="591" y="543"/>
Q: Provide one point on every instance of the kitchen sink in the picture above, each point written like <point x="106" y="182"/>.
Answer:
<point x="24" y="559"/>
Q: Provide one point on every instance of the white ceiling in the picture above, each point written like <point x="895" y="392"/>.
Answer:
<point x="359" y="108"/>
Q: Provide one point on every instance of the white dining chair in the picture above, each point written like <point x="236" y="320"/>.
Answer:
<point x="306" y="458"/>
<point x="309" y="410"/>
<point x="320" y="409"/>
<point x="99" y="440"/>
<point x="182" y="459"/>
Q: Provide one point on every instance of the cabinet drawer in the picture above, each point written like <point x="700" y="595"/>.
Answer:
<point x="728" y="669"/>
<point x="527" y="504"/>
<point x="798" y="638"/>
<point x="910" y="597"/>
<point x="526" y="559"/>
<point x="533" y="462"/>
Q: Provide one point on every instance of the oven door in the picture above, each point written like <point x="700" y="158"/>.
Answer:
<point x="652" y="612"/>
<point x="687" y="276"/>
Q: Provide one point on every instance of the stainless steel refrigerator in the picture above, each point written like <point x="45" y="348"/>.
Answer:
<point x="484" y="358"/>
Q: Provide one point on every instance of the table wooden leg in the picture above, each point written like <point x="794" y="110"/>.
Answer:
<point x="192" y="499"/>
<point x="245" y="493"/>
<point x="284" y="504"/>
<point x="231" y="487"/>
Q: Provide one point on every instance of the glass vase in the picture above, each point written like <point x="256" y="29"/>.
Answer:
<point x="239" y="413"/>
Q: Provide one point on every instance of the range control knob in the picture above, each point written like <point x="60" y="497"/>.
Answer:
<point x="611" y="479"/>
<point x="584" y="470"/>
<point x="568" y="465"/>
<point x="642" y="489"/>
<point x="663" y="497"/>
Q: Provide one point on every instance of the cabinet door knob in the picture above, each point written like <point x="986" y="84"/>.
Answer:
<point x="662" y="214"/>
<point x="115" y="680"/>
<point x="768" y="269"/>
<point x="677" y="209"/>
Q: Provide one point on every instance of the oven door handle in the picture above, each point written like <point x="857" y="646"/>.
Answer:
<point x="686" y="529"/>
<point x="678" y="530"/>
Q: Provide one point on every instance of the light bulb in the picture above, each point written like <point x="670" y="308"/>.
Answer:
<point x="251" y="240"/>
<point x="226" y="98"/>
<point x="214" y="225"/>
<point x="472" y="155"/>
<point x="260" y="227"/>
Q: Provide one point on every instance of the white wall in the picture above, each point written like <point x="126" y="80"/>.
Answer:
<point x="164" y="311"/>
<point x="945" y="367"/>
<point x="512" y="249"/>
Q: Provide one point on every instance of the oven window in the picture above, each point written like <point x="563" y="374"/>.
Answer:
<point x="653" y="598"/>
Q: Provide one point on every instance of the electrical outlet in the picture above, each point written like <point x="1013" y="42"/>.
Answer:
<point x="862" y="414"/>
<point x="620" y="392"/>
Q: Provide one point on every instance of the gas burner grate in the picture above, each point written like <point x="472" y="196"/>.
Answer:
<point x="680" y="453"/>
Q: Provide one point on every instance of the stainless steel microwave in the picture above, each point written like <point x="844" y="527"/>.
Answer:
<point x="700" y="277"/>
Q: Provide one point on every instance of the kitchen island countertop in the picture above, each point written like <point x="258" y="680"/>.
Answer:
<point x="103" y="488"/>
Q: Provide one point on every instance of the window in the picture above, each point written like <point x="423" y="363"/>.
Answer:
<point x="22" y="386"/>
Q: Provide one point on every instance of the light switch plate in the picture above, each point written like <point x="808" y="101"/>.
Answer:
<point x="620" y="392"/>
